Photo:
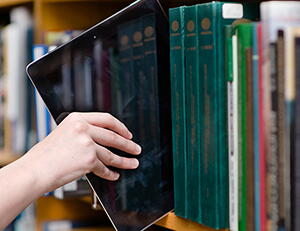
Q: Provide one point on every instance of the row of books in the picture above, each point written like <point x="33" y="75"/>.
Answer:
<point x="235" y="99"/>
<point x="16" y="115"/>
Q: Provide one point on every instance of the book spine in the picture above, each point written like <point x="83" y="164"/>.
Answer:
<point x="262" y="160"/>
<point x="232" y="127"/>
<point x="150" y="102"/>
<point x="255" y="63"/>
<point x="289" y="84"/>
<point x="296" y="158"/>
<point x="129" y="101"/>
<point x="244" y="32"/>
<point x="272" y="154"/>
<point x="226" y="14"/>
<point x="67" y="83"/>
<point x="138" y="76"/>
<point x="115" y="83"/>
<point x="98" y="88"/>
<point x="214" y="161"/>
<point x="177" y="62"/>
<point x="128" y="104"/>
<point x="105" y="81"/>
<point x="193" y="115"/>
<point x="250" y="137"/>
<point x="207" y="69"/>
<point x="42" y="114"/>
<point x="281" y="127"/>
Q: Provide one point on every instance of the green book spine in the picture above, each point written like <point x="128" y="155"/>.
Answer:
<point x="178" y="107"/>
<point x="244" y="35"/>
<point x="138" y="77"/>
<point x="214" y="160"/>
<point x="126" y="75"/>
<point x="193" y="114"/>
<point x="150" y="95"/>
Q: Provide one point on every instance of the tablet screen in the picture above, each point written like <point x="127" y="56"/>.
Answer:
<point x="120" y="66"/>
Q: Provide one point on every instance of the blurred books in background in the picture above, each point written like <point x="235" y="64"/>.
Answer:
<point x="235" y="100"/>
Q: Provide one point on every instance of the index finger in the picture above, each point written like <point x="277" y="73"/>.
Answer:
<point x="106" y="120"/>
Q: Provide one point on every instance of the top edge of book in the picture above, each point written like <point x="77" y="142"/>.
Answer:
<point x="230" y="10"/>
<point x="283" y="9"/>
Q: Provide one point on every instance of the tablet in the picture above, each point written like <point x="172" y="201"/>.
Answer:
<point x="120" y="66"/>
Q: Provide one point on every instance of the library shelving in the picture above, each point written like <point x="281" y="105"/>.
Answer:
<point x="59" y="15"/>
<point x="11" y="3"/>
<point x="7" y="157"/>
<point x="173" y="222"/>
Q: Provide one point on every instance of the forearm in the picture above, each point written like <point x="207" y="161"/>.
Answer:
<point x="76" y="147"/>
<point x="19" y="186"/>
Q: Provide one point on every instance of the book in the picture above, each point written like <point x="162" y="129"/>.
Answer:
<point x="295" y="132"/>
<point x="272" y="150"/>
<point x="194" y="114"/>
<point x="250" y="133"/>
<point x="138" y="75"/>
<point x="214" y="161"/>
<point x="256" y="133"/>
<point x="279" y="16"/>
<point x="244" y="37"/>
<point x="262" y="159"/>
<point x="150" y="96"/>
<point x="177" y="68"/>
<point x="42" y="113"/>
<point x="232" y="86"/>
<point x="281" y="127"/>
<point x="17" y="58"/>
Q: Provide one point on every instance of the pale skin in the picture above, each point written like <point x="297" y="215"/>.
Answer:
<point x="76" y="147"/>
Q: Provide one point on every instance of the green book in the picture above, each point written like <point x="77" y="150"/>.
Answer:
<point x="193" y="112"/>
<point x="214" y="159"/>
<point x="244" y="35"/>
<point x="177" y="65"/>
<point x="138" y="77"/>
<point x="126" y="76"/>
<point x="150" y="94"/>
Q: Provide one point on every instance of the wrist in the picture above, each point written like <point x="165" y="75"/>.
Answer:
<point x="39" y="178"/>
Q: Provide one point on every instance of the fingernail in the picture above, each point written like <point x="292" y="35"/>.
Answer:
<point x="135" y="163"/>
<point x="116" y="176"/>
<point x="130" y="135"/>
<point x="138" y="149"/>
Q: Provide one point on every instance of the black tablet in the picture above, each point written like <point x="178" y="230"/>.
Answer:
<point x="120" y="66"/>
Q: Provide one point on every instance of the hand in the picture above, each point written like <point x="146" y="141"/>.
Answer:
<point x="78" y="146"/>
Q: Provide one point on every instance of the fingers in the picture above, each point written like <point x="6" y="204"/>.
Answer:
<point x="102" y="171"/>
<point x="110" y="139"/>
<point x="113" y="160"/>
<point x="106" y="120"/>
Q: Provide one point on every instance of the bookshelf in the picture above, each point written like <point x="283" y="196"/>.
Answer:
<point x="173" y="222"/>
<point x="11" y="3"/>
<point x="7" y="157"/>
<point x="78" y="15"/>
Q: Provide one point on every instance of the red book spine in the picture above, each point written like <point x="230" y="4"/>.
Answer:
<point x="262" y="158"/>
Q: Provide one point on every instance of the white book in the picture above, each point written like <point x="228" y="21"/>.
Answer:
<point x="233" y="139"/>
<point x="41" y="110"/>
<point x="17" y="54"/>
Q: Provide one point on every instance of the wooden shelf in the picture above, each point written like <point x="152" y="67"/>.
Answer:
<point x="86" y="1"/>
<point x="173" y="222"/>
<point x="10" y="3"/>
<point x="7" y="157"/>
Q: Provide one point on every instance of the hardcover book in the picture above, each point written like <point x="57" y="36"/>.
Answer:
<point x="177" y="66"/>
